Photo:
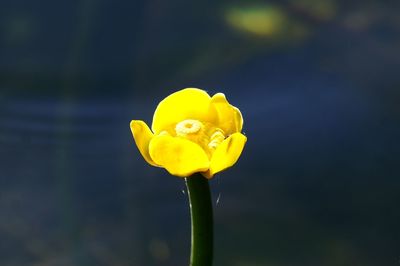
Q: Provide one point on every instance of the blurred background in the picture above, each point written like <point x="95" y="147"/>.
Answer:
<point x="318" y="84"/>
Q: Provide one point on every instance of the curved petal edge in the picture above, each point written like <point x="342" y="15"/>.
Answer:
<point x="142" y="136"/>
<point x="229" y="117"/>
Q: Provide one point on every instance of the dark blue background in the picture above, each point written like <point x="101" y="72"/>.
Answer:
<point x="317" y="184"/>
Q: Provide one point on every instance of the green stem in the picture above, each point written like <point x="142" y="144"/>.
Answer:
<point x="202" y="220"/>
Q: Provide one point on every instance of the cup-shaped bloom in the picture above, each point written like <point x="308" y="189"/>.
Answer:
<point x="192" y="132"/>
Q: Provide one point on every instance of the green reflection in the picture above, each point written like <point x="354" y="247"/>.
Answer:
<point x="265" y="20"/>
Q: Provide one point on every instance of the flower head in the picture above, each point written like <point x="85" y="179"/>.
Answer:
<point x="192" y="132"/>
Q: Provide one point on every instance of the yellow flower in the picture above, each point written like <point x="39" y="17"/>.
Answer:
<point x="192" y="132"/>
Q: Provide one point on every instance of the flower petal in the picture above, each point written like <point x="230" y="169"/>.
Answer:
<point x="188" y="103"/>
<point x="226" y="154"/>
<point x="229" y="117"/>
<point x="142" y="135"/>
<point x="181" y="157"/>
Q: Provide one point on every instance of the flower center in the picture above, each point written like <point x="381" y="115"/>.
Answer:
<point x="188" y="126"/>
<point x="205" y="135"/>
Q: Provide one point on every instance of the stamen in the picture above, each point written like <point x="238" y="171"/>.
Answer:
<point x="216" y="139"/>
<point x="218" y="135"/>
<point x="213" y="144"/>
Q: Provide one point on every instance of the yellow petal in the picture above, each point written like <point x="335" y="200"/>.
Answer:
<point x="142" y="135"/>
<point x="188" y="103"/>
<point x="181" y="157"/>
<point x="229" y="117"/>
<point x="226" y="154"/>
